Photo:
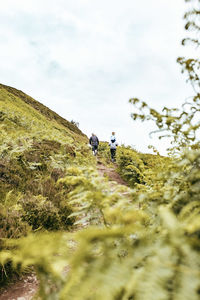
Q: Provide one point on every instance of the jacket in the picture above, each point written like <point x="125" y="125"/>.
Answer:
<point x="94" y="141"/>
<point x="113" y="145"/>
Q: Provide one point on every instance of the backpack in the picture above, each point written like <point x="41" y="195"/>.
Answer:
<point x="94" y="140"/>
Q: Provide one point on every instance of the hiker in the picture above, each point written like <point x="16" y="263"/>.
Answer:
<point x="113" y="147"/>
<point x="94" y="142"/>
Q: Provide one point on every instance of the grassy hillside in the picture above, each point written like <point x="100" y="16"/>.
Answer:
<point x="34" y="143"/>
<point x="36" y="148"/>
<point x="55" y="210"/>
<point x="39" y="156"/>
<point x="45" y="111"/>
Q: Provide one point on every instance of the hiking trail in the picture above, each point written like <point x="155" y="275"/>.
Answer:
<point x="110" y="173"/>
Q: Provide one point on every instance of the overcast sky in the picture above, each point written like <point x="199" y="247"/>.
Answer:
<point x="85" y="58"/>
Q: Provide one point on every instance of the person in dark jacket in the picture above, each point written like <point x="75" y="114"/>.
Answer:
<point x="94" y="142"/>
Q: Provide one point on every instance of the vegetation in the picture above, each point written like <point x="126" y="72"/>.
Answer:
<point x="132" y="243"/>
<point x="181" y="124"/>
<point x="37" y="147"/>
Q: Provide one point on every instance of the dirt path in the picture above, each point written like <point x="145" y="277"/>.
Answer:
<point x="26" y="287"/>
<point x="110" y="173"/>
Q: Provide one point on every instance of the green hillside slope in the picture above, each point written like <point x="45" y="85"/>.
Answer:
<point x="56" y="211"/>
<point x="36" y="148"/>
<point x="13" y="93"/>
<point x="44" y="162"/>
<point x="32" y="139"/>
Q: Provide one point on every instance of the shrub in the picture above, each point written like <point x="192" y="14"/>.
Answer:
<point x="130" y="166"/>
<point x="41" y="213"/>
<point x="11" y="226"/>
<point x="104" y="152"/>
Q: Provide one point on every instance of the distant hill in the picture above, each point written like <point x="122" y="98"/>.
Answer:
<point x="45" y="111"/>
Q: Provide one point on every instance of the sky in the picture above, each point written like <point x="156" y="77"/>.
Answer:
<point x="85" y="59"/>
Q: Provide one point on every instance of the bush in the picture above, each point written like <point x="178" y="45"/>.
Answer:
<point x="104" y="152"/>
<point x="11" y="226"/>
<point x="41" y="213"/>
<point x="130" y="166"/>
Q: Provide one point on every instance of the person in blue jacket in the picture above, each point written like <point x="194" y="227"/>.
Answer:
<point x="113" y="147"/>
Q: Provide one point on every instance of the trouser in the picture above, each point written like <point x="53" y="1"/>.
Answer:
<point x="94" y="149"/>
<point x="113" y="153"/>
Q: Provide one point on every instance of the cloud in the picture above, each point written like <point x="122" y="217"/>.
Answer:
<point x="86" y="58"/>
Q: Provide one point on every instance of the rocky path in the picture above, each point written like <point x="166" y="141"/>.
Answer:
<point x="26" y="287"/>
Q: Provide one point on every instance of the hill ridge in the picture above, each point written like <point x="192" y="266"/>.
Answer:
<point x="44" y="110"/>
